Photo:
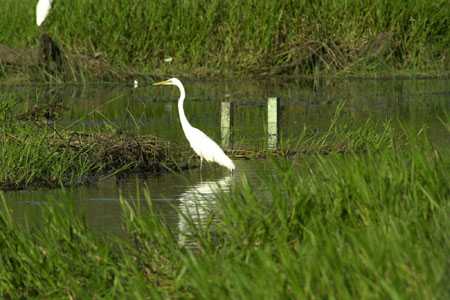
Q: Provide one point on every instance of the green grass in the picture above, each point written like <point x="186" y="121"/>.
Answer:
<point x="235" y="37"/>
<point x="36" y="152"/>
<point x="372" y="226"/>
<point x="29" y="159"/>
<point x="38" y="156"/>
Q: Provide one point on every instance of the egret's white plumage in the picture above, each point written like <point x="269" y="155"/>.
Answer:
<point x="202" y="145"/>
<point x="42" y="9"/>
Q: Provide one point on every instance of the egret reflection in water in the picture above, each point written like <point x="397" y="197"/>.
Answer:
<point x="197" y="204"/>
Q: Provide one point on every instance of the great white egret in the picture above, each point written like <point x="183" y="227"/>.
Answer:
<point x="202" y="145"/>
<point x="42" y="9"/>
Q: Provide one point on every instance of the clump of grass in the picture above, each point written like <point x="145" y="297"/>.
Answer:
<point x="37" y="154"/>
<point x="29" y="160"/>
<point x="62" y="259"/>
<point x="344" y="226"/>
<point x="235" y="37"/>
<point x="41" y="157"/>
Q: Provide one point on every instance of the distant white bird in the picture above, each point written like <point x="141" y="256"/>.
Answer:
<point x="135" y="84"/>
<point x="42" y="9"/>
<point x="202" y="145"/>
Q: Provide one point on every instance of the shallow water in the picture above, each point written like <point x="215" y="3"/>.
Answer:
<point x="174" y="197"/>
<point x="150" y="110"/>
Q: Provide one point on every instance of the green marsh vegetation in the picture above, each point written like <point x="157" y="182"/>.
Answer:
<point x="349" y="226"/>
<point x="37" y="152"/>
<point x="217" y="38"/>
<point x="367" y="220"/>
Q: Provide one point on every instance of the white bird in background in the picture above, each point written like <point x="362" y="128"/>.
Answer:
<point x="42" y="9"/>
<point x="202" y="145"/>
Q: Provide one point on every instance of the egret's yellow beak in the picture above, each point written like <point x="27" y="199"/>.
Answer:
<point x="165" y="82"/>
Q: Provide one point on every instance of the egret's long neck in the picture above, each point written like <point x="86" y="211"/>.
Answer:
<point x="184" y="122"/>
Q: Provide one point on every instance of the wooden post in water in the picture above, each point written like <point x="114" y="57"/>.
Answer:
<point x="226" y="119"/>
<point x="272" y="122"/>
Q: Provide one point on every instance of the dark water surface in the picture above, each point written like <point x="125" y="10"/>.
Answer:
<point x="151" y="110"/>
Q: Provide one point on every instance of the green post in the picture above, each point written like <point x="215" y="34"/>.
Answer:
<point x="272" y="122"/>
<point x="226" y="117"/>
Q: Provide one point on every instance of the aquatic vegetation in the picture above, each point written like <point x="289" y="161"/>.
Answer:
<point x="34" y="152"/>
<point x="42" y="157"/>
<point x="234" y="37"/>
<point x="38" y="152"/>
<point x="345" y="226"/>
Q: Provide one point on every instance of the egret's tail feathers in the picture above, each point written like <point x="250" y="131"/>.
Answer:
<point x="229" y="164"/>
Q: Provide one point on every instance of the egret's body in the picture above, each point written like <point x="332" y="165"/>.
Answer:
<point x="202" y="145"/>
<point x="42" y="9"/>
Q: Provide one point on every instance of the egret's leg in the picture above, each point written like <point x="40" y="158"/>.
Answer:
<point x="201" y="162"/>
